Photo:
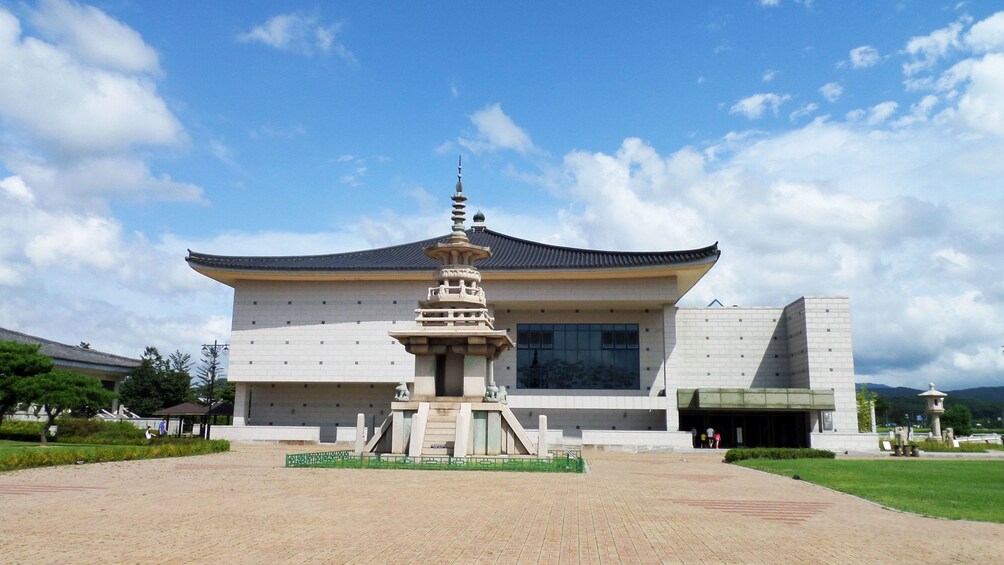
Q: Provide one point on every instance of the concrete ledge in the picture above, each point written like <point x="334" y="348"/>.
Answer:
<point x="268" y="434"/>
<point x="846" y="442"/>
<point x="638" y="439"/>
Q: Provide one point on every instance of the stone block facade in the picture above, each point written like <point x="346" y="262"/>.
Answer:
<point x="309" y="353"/>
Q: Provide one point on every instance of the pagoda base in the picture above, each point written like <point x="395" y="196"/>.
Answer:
<point x="451" y="427"/>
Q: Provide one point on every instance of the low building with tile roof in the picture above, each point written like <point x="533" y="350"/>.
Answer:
<point x="109" y="368"/>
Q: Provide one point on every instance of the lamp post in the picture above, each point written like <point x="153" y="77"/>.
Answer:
<point x="211" y="352"/>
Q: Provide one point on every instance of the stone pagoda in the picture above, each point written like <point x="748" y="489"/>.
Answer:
<point x="454" y="408"/>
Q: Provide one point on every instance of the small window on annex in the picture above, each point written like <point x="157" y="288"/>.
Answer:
<point x="577" y="356"/>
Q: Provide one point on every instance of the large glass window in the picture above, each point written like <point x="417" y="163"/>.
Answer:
<point x="577" y="356"/>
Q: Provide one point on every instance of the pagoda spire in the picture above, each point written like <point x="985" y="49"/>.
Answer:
<point x="459" y="235"/>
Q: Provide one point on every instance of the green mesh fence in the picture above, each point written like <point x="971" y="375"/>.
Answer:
<point x="560" y="462"/>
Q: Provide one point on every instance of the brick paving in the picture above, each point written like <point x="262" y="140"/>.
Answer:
<point x="244" y="507"/>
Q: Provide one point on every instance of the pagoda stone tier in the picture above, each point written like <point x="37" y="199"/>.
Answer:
<point x="454" y="407"/>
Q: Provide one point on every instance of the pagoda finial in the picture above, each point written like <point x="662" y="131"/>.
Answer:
<point x="458" y="207"/>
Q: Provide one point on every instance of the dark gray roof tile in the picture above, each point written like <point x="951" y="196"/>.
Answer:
<point x="508" y="254"/>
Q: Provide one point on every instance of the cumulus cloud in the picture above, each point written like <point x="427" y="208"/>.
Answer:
<point x="496" y="131"/>
<point x="56" y="98"/>
<point x="769" y="75"/>
<point x="299" y="33"/>
<point x="927" y="50"/>
<point x="864" y="57"/>
<point x="79" y="110"/>
<point x="987" y="35"/>
<point x="827" y="208"/>
<point x="754" y="106"/>
<point x="831" y="91"/>
<point x="94" y="37"/>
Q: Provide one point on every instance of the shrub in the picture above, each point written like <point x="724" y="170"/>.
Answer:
<point x="98" y="429"/>
<point x="20" y="430"/>
<point x="742" y="453"/>
<point x="67" y="456"/>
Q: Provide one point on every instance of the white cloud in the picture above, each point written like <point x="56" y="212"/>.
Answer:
<point x="57" y="99"/>
<point x="864" y="57"/>
<point x="769" y="75"/>
<point x="79" y="111"/>
<point x="831" y="91"/>
<point x="987" y="35"/>
<point x="881" y="112"/>
<point x="754" y="106"/>
<point x="94" y="37"/>
<point x="927" y="50"/>
<point x="806" y="109"/>
<point x="494" y="131"/>
<point x="299" y="33"/>
<point x="981" y="107"/>
<point x="770" y="3"/>
<point x="901" y="213"/>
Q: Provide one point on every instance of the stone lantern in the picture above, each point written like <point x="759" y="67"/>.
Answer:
<point x="935" y="407"/>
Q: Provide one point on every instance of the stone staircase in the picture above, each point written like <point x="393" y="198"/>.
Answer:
<point x="440" y="432"/>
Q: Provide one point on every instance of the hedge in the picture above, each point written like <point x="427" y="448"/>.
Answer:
<point x="742" y="453"/>
<point x="45" y="457"/>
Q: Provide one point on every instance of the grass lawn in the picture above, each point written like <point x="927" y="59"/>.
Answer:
<point x="969" y="490"/>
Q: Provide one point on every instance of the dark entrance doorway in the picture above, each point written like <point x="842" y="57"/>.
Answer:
<point x="751" y="429"/>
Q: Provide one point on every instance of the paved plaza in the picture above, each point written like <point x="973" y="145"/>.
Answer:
<point x="244" y="507"/>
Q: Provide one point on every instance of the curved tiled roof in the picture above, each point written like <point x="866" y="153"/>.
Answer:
<point x="508" y="254"/>
<point x="71" y="353"/>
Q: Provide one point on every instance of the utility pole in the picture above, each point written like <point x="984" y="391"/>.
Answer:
<point x="211" y="356"/>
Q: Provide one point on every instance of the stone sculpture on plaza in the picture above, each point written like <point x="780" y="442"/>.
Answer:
<point x="455" y="407"/>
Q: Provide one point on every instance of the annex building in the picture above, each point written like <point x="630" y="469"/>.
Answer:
<point x="601" y="347"/>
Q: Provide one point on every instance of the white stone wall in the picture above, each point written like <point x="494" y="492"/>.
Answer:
<point x="572" y="292"/>
<point x="329" y="405"/>
<point x="321" y="332"/>
<point x="729" y="347"/>
<point x="572" y="422"/>
<point x="827" y="358"/>
<point x="332" y="336"/>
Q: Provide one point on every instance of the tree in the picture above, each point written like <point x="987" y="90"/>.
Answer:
<point x="865" y="400"/>
<point x="18" y="361"/>
<point x="157" y="383"/>
<point x="57" y="391"/>
<point x="959" y="418"/>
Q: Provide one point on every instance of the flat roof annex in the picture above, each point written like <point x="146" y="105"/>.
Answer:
<point x="512" y="258"/>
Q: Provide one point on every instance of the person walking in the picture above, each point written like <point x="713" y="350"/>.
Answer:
<point x="162" y="428"/>
<point x="718" y="439"/>
<point x="711" y="436"/>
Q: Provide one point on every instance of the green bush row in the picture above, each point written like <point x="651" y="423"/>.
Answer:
<point x="20" y="430"/>
<point x="101" y="440"/>
<point x="67" y="456"/>
<point x="742" y="453"/>
<point x="80" y="427"/>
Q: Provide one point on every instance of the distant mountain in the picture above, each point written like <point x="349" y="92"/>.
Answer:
<point x="989" y="393"/>
<point x="983" y="402"/>
<point x="890" y="391"/>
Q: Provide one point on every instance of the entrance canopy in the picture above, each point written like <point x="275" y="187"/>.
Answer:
<point x="754" y="399"/>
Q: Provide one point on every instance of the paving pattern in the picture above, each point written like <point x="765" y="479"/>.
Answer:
<point x="244" y="507"/>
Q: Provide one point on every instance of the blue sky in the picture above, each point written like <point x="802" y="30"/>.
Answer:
<point x="831" y="147"/>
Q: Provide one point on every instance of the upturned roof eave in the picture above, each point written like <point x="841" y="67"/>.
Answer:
<point x="230" y="276"/>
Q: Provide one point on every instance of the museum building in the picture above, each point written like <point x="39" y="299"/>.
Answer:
<point x="601" y="347"/>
